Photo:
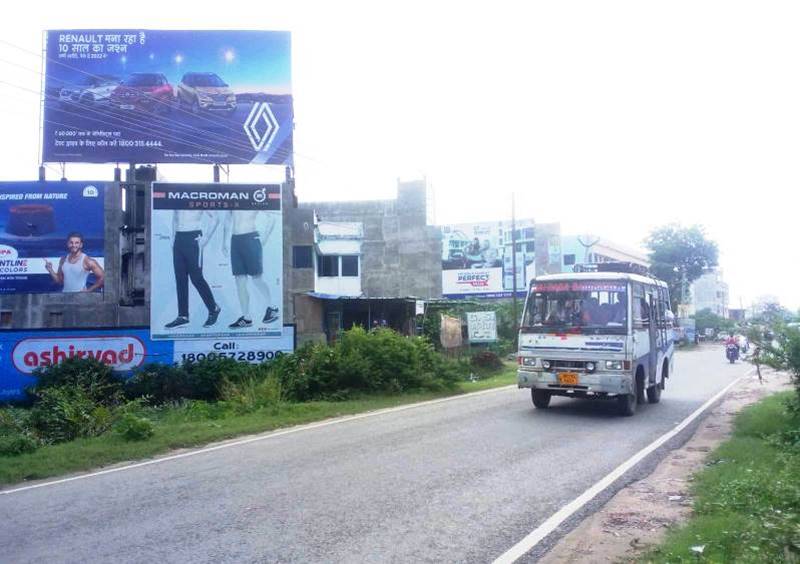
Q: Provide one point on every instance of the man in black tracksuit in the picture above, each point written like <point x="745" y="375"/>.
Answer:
<point x="187" y="260"/>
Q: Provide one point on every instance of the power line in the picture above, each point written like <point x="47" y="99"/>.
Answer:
<point x="227" y="143"/>
<point x="136" y="128"/>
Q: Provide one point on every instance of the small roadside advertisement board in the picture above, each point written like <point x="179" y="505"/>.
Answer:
<point x="482" y="326"/>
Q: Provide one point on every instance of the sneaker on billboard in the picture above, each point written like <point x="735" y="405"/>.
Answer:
<point x="241" y="323"/>
<point x="212" y="316"/>
<point x="177" y="322"/>
<point x="271" y="315"/>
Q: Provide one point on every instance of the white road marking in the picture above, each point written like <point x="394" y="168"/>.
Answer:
<point x="534" y="537"/>
<point x="271" y="435"/>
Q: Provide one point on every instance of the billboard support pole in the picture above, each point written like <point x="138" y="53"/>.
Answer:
<point x="41" y="173"/>
<point x="117" y="173"/>
<point x="216" y="173"/>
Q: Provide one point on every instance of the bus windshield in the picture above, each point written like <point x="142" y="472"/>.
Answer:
<point x="577" y="306"/>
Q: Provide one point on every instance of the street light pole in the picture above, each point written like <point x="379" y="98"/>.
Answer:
<point x="587" y="246"/>
<point x="514" y="266"/>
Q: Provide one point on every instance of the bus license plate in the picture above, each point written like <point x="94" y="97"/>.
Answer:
<point x="568" y="378"/>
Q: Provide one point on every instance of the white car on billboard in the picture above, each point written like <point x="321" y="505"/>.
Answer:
<point x="92" y="90"/>
<point x="205" y="91"/>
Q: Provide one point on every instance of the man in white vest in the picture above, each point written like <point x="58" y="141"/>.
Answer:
<point x="74" y="269"/>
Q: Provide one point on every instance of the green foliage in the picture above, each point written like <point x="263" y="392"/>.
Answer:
<point x="706" y="319"/>
<point x="96" y="380"/>
<point x="747" y="500"/>
<point x="16" y="444"/>
<point x="66" y="412"/>
<point x="133" y="428"/>
<point x="771" y="314"/>
<point x="363" y="362"/>
<point x="504" y="313"/>
<point x="201" y="380"/>
<point x="251" y="393"/>
<point x="782" y="352"/>
<point x="679" y="255"/>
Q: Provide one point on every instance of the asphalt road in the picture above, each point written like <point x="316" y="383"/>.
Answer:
<point x="461" y="480"/>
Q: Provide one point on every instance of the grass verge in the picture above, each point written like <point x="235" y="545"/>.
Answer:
<point x="747" y="499"/>
<point x="198" y="423"/>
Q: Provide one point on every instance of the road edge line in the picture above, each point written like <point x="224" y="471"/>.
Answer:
<point x="551" y="523"/>
<point x="260" y="437"/>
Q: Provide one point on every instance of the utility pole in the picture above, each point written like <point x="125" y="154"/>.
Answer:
<point x="514" y="267"/>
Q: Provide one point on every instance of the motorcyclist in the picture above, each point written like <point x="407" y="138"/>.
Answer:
<point x="731" y="345"/>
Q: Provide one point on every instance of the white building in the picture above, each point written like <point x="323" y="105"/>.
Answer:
<point x="710" y="291"/>
<point x="338" y="257"/>
<point x="589" y="249"/>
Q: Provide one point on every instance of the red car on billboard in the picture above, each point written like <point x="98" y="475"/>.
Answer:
<point x="144" y="91"/>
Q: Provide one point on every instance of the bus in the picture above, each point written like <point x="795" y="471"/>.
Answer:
<point x="599" y="333"/>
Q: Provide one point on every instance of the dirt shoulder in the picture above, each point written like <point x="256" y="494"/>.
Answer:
<point x="637" y="517"/>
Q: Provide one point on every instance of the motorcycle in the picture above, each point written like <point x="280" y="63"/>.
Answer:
<point x="732" y="353"/>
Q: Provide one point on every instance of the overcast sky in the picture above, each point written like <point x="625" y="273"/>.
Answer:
<point x="608" y="117"/>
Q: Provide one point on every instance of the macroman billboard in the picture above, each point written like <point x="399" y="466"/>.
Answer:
<point x="51" y="237"/>
<point x="150" y="96"/>
<point x="217" y="261"/>
<point x="477" y="259"/>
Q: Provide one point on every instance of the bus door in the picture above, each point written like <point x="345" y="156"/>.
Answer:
<point x="654" y="332"/>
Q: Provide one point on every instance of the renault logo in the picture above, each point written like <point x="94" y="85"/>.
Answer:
<point x="260" y="126"/>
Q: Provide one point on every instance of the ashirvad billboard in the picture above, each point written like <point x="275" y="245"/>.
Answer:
<point x="217" y="261"/>
<point x="51" y="237"/>
<point x="477" y="258"/>
<point x="153" y="96"/>
<point x="123" y="349"/>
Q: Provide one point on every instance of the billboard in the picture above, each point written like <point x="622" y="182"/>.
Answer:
<point x="124" y="349"/>
<point x="216" y="262"/>
<point x="477" y="260"/>
<point x="51" y="237"/>
<point x="154" y="96"/>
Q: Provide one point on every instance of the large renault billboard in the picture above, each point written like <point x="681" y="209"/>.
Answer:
<point x="154" y="96"/>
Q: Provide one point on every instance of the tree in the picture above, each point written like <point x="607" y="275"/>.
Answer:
<point x="706" y="319"/>
<point x="679" y="256"/>
<point x="770" y="313"/>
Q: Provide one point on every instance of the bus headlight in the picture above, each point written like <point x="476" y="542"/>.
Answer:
<point x="546" y="364"/>
<point x="528" y="361"/>
<point x="613" y="365"/>
<point x="590" y="366"/>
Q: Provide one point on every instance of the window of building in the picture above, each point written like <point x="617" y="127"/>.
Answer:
<point x="350" y="265"/>
<point x="302" y="256"/>
<point x="527" y="233"/>
<point x="569" y="260"/>
<point x="529" y="247"/>
<point x="328" y="265"/>
<point x="5" y="319"/>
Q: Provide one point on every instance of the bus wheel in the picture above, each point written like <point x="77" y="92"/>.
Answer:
<point x="654" y="393"/>
<point x="626" y="404"/>
<point x="541" y="398"/>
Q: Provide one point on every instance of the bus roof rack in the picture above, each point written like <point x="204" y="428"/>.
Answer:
<point x="628" y="267"/>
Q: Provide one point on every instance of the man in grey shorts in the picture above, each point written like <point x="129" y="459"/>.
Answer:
<point x="247" y="262"/>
